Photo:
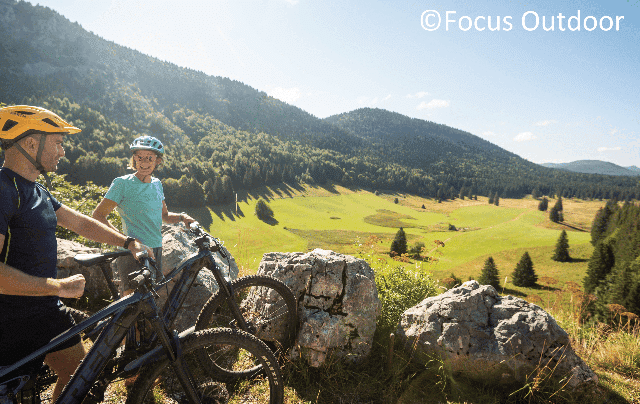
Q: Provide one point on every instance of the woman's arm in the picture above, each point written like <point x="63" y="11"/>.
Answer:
<point x="103" y="209"/>
<point x="170" y="217"/>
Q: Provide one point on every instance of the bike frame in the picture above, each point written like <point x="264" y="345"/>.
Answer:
<point x="124" y="313"/>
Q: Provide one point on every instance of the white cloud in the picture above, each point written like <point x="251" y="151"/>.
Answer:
<point x="545" y="123"/>
<point x="419" y="94"/>
<point x="525" y="137"/>
<point x="387" y="97"/>
<point x="433" y="104"/>
<point x="288" y="95"/>
<point x="606" y="149"/>
<point x="489" y="134"/>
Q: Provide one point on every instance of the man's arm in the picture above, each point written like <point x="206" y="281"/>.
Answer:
<point x="15" y="282"/>
<point x="91" y="228"/>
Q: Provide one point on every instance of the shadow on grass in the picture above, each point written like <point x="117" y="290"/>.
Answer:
<point x="271" y="221"/>
<point x="512" y="292"/>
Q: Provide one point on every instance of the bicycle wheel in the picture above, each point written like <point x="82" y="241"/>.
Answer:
<point x="158" y="384"/>
<point x="267" y="305"/>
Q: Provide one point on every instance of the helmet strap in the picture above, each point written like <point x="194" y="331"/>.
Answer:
<point x="36" y="163"/>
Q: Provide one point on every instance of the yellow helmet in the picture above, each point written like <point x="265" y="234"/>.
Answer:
<point x="19" y="121"/>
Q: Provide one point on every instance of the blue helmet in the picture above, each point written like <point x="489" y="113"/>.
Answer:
<point x="147" y="143"/>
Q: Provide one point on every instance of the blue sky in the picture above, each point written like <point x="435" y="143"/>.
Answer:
<point x="547" y="95"/>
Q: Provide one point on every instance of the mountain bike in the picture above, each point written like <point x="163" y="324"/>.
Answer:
<point x="260" y="305"/>
<point x="170" y="365"/>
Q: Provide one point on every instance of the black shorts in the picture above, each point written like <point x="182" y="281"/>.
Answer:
<point x="23" y="333"/>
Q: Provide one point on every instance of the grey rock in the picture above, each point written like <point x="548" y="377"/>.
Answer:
<point x="495" y="339"/>
<point x="338" y="302"/>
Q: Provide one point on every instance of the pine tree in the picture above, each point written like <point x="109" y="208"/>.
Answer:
<point x="562" y="248"/>
<point x="524" y="274"/>
<point x="600" y="264"/>
<point x="490" y="199"/>
<point x="600" y="223"/>
<point x="496" y="200"/>
<point x="489" y="275"/>
<point x="399" y="243"/>
<point x="543" y="205"/>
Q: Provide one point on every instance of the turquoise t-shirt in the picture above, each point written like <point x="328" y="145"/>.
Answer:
<point x="140" y="207"/>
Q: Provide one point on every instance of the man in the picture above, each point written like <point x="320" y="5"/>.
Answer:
<point x="31" y="313"/>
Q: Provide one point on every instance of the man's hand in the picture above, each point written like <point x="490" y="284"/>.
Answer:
<point x="72" y="286"/>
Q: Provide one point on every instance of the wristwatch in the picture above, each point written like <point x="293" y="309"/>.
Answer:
<point x="129" y="240"/>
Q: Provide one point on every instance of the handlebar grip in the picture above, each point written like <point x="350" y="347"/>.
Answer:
<point x="139" y="279"/>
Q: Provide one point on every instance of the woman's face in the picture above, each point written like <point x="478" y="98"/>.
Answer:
<point x="146" y="161"/>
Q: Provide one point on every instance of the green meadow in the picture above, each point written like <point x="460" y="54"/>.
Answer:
<point x="341" y="219"/>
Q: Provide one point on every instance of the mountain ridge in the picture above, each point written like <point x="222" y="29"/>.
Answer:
<point x="595" y="167"/>
<point x="224" y="128"/>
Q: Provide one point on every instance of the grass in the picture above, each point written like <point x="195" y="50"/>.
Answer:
<point x="342" y="219"/>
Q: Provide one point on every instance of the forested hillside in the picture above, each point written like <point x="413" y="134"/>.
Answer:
<point x="222" y="135"/>
<point x="613" y="275"/>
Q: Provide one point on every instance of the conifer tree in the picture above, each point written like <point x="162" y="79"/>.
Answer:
<point x="561" y="253"/>
<point x="490" y="199"/>
<point x="543" y="205"/>
<point x="496" y="200"/>
<point x="600" y="223"/>
<point x="524" y="274"/>
<point x="399" y="243"/>
<point x="600" y="264"/>
<point x="489" y="274"/>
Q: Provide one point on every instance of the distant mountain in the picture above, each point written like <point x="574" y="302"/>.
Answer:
<point x="223" y="135"/>
<point x="595" y="167"/>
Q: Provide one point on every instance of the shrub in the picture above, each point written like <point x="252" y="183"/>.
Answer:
<point x="263" y="211"/>
<point x="400" y="288"/>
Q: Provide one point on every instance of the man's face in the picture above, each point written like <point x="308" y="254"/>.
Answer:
<point x="52" y="152"/>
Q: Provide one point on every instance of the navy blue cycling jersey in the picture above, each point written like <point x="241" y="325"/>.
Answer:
<point x="28" y="222"/>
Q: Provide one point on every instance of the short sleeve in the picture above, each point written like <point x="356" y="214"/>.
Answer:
<point x="116" y="191"/>
<point x="161" y="190"/>
<point x="54" y="202"/>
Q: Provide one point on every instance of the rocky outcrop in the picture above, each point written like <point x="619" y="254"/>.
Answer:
<point x="492" y="338"/>
<point x="338" y="302"/>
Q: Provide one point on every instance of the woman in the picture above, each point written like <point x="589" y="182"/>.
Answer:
<point x="139" y="199"/>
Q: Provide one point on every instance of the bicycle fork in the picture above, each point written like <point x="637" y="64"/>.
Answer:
<point x="173" y="348"/>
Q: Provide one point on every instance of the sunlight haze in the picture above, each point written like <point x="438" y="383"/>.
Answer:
<point x="558" y="95"/>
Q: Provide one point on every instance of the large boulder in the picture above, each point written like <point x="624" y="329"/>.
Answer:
<point x="96" y="289"/>
<point x="491" y="338"/>
<point x="338" y="302"/>
<point x="177" y="246"/>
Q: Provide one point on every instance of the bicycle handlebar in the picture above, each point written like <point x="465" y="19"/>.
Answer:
<point x="206" y="241"/>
